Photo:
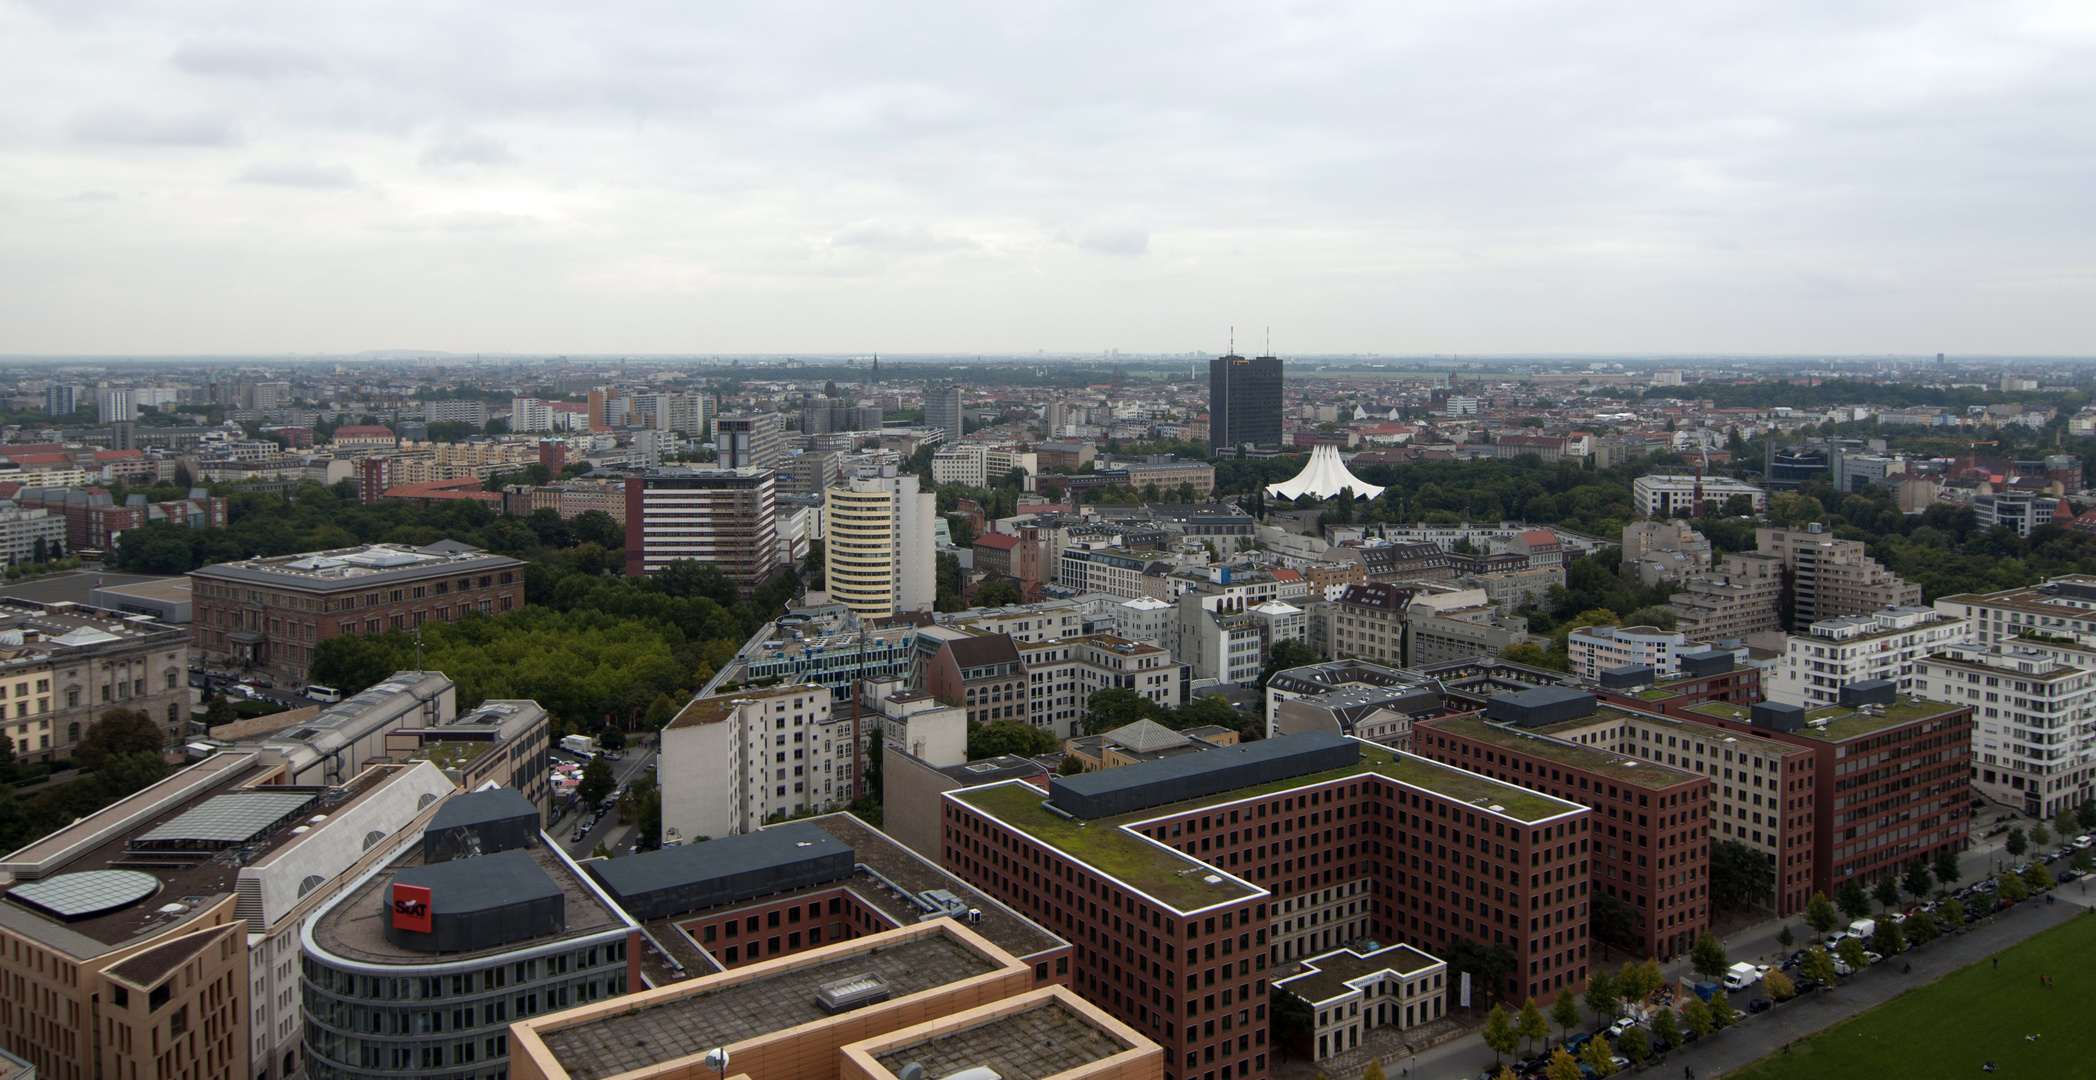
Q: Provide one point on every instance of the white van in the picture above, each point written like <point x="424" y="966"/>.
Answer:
<point x="1742" y="975"/>
<point x="324" y="693"/>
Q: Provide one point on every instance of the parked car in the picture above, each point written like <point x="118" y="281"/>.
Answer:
<point x="2084" y="841"/>
<point x="579" y="834"/>
<point x="1760" y="1005"/>
<point x="1806" y="985"/>
<point x="1616" y="1030"/>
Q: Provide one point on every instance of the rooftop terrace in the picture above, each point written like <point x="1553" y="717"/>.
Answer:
<point x="1844" y="724"/>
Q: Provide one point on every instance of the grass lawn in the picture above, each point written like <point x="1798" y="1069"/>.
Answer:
<point x="1954" y="1025"/>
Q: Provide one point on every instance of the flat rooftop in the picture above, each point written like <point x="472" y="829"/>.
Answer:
<point x="356" y="567"/>
<point x="713" y="710"/>
<point x="189" y="880"/>
<point x="881" y="863"/>
<point x="1618" y="767"/>
<point x="1332" y="971"/>
<point x="170" y="590"/>
<point x="353" y="928"/>
<point x="693" y="1024"/>
<point x="1041" y="1042"/>
<point x="1844" y="724"/>
<point x="1168" y="876"/>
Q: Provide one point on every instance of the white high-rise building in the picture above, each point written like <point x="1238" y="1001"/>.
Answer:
<point x="2034" y="719"/>
<point x="880" y="549"/>
<point x="1860" y="648"/>
<point x="733" y="762"/>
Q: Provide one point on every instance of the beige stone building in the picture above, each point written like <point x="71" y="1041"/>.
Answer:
<point x="1741" y="599"/>
<point x="1833" y="577"/>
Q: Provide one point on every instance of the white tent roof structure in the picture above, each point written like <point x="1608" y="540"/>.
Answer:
<point x="1323" y="477"/>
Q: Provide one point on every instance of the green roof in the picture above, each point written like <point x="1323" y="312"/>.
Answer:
<point x="1593" y="759"/>
<point x="1844" y="724"/>
<point x="1156" y="871"/>
<point x="1167" y="875"/>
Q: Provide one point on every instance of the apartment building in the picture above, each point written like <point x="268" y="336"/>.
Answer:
<point x="2058" y="611"/>
<point x="726" y="517"/>
<point x="1168" y="476"/>
<point x="980" y="464"/>
<point x="1659" y="495"/>
<point x="1595" y="649"/>
<point x="1095" y="567"/>
<point x="1368" y="621"/>
<point x="749" y="442"/>
<point x="1856" y="648"/>
<point x="31" y="535"/>
<point x="1220" y="638"/>
<point x="2034" y="721"/>
<point x="1446" y="625"/>
<point x="1162" y="847"/>
<point x="732" y="762"/>
<point x="268" y="614"/>
<point x="1654" y="860"/>
<point x="1890" y="779"/>
<point x="1747" y="776"/>
<point x="1744" y="598"/>
<point x="1831" y="577"/>
<point x="880" y="546"/>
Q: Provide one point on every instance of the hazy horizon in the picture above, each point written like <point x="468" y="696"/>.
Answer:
<point x="1491" y="181"/>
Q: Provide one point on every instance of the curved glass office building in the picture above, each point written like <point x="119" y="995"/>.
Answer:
<point x="418" y="968"/>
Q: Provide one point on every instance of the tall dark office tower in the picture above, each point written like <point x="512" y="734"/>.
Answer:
<point x="942" y="409"/>
<point x="1244" y="401"/>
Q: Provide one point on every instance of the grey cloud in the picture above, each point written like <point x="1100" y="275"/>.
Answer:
<point x="1115" y="239"/>
<point x="893" y="237"/>
<point x="94" y="196"/>
<point x="303" y="174"/>
<point x="132" y="127"/>
<point x="246" y="58"/>
<point x="467" y="150"/>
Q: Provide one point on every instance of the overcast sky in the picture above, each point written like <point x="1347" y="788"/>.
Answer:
<point x="1473" y="176"/>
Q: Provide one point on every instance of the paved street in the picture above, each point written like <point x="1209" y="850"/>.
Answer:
<point x="608" y="831"/>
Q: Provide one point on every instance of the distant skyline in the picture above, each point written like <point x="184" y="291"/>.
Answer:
<point x="1495" y="181"/>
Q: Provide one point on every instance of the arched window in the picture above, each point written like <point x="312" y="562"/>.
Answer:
<point x="372" y="838"/>
<point x="425" y="800"/>
<point x="312" y="882"/>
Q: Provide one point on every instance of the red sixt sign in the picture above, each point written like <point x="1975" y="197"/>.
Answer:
<point x="411" y="908"/>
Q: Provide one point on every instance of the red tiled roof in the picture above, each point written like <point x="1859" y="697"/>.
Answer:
<point x="1539" y="536"/>
<point x="1287" y="575"/>
<point x="119" y="455"/>
<point x="363" y="431"/>
<point x="997" y="541"/>
<point x="41" y="459"/>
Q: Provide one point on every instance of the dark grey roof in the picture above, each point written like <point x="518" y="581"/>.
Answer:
<point x="480" y="807"/>
<point x="695" y="876"/>
<point x="1175" y="779"/>
<point x="490" y="881"/>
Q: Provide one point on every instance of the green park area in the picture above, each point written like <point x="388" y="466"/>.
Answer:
<point x="1954" y="1026"/>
